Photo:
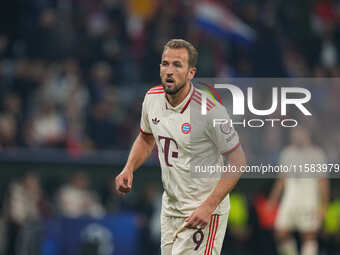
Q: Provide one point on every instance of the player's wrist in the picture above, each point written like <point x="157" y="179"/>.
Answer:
<point x="210" y="205"/>
<point x="128" y="170"/>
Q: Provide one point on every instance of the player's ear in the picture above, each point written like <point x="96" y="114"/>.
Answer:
<point x="192" y="72"/>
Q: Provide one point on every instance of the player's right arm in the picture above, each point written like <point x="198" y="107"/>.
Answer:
<point x="140" y="151"/>
<point x="275" y="194"/>
<point x="279" y="184"/>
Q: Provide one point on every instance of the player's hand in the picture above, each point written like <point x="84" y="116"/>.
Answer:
<point x="199" y="218"/>
<point x="124" y="182"/>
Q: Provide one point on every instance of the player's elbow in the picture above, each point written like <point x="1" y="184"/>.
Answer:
<point x="147" y="140"/>
<point x="237" y="157"/>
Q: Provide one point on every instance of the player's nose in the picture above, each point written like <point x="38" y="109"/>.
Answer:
<point x="169" y="70"/>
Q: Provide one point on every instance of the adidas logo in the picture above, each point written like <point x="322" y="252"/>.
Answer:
<point x="155" y="121"/>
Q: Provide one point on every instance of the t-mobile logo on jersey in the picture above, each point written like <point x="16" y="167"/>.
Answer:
<point x="302" y="96"/>
<point x="166" y="148"/>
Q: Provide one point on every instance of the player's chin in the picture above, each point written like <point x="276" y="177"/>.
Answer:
<point x="170" y="89"/>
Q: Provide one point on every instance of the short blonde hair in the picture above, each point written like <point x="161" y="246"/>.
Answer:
<point x="180" y="44"/>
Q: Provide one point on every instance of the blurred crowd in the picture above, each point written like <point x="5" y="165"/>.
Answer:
<point x="70" y="71"/>
<point x="27" y="206"/>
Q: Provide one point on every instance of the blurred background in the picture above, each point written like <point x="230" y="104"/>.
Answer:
<point x="73" y="74"/>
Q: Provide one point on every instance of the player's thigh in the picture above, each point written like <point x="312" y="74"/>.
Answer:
<point x="309" y="236"/>
<point x="169" y="226"/>
<point x="308" y="220"/>
<point x="207" y="241"/>
<point x="215" y="245"/>
<point x="166" y="249"/>
<point x="285" y="221"/>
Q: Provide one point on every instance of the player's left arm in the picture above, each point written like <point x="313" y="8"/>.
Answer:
<point x="324" y="190"/>
<point x="200" y="217"/>
<point x="324" y="185"/>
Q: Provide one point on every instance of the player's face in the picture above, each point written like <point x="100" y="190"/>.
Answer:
<point x="175" y="71"/>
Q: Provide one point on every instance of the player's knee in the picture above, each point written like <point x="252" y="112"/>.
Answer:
<point x="309" y="247"/>
<point x="310" y="236"/>
<point x="282" y="235"/>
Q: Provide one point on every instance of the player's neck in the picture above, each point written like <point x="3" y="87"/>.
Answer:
<point x="178" y="98"/>
<point x="303" y="146"/>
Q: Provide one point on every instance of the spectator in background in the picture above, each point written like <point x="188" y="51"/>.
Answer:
<point x="305" y="199"/>
<point x="76" y="199"/>
<point x="24" y="84"/>
<point x="64" y="87"/>
<point x="45" y="41"/>
<point x="62" y="81"/>
<point x="12" y="107"/>
<point x="25" y="203"/>
<point x="100" y="84"/>
<point x="8" y="132"/>
<point x="47" y="127"/>
<point x="101" y="127"/>
<point x="127" y="126"/>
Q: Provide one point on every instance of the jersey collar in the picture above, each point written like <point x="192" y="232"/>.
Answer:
<point x="183" y="105"/>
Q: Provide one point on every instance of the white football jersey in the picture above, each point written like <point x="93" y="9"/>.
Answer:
<point x="299" y="190"/>
<point x="185" y="138"/>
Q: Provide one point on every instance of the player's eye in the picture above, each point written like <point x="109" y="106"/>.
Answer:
<point x="165" y="63"/>
<point x="177" y="64"/>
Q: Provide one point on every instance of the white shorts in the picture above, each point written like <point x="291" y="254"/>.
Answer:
<point x="292" y="216"/>
<point x="207" y="241"/>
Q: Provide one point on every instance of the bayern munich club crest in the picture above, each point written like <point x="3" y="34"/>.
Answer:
<point x="226" y="128"/>
<point x="186" y="128"/>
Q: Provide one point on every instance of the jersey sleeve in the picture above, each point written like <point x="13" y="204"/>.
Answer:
<point x="144" y="122"/>
<point x="221" y="131"/>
